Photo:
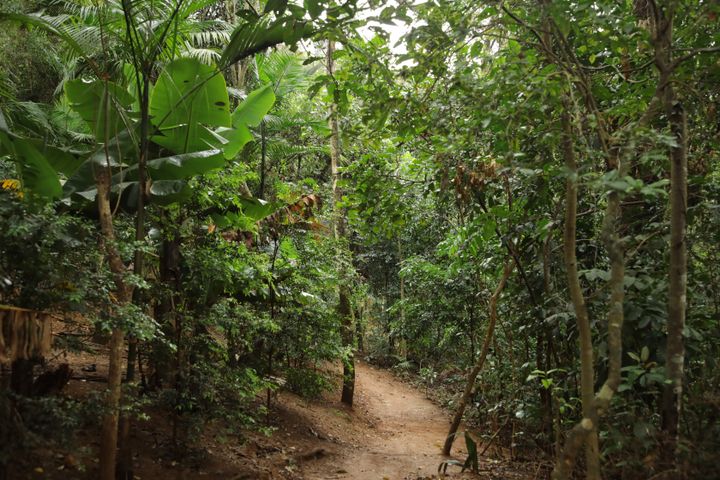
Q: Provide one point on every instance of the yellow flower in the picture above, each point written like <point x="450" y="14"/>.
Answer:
<point x="11" y="184"/>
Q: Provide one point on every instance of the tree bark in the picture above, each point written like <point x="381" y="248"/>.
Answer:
<point x="586" y="431"/>
<point x="344" y="309"/>
<point x="677" y="294"/>
<point x="108" y="441"/>
<point x="661" y="30"/>
<point x="594" y="405"/>
<point x="125" y="469"/>
<point x="472" y="375"/>
<point x="263" y="158"/>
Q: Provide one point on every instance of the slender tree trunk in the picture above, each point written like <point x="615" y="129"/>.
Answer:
<point x="263" y="158"/>
<point x="661" y="31"/>
<point x="472" y="375"/>
<point x="125" y="469"/>
<point x="677" y="303"/>
<point x="403" y="341"/>
<point x="344" y="308"/>
<point x="108" y="441"/>
<point x="585" y="432"/>
<point x="546" y="394"/>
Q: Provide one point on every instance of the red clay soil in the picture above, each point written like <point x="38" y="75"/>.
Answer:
<point x="393" y="432"/>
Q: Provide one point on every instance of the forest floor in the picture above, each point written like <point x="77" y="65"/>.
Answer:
<point x="393" y="432"/>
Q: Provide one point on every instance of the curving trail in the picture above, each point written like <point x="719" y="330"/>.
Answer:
<point x="395" y="433"/>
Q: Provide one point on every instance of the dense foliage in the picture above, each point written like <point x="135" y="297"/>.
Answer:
<point x="526" y="209"/>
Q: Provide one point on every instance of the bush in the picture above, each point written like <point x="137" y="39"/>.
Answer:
<point x="307" y="383"/>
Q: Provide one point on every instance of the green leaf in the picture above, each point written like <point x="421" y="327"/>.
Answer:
<point x="255" y="36"/>
<point x="38" y="21"/>
<point x="186" y="165"/>
<point x="187" y="95"/>
<point x="313" y="7"/>
<point x="277" y="6"/>
<point x="471" y="462"/>
<point x="595" y="273"/>
<point x="288" y="250"/>
<point x="101" y="104"/>
<point x="166" y="192"/>
<point x="120" y="154"/>
<point x="254" y="108"/>
<point x="645" y="354"/>
<point x="38" y="175"/>
<point x="233" y="140"/>
<point x="61" y="160"/>
<point x="256" y="208"/>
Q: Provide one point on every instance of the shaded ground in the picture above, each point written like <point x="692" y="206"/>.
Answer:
<point x="399" y="435"/>
<point x="393" y="432"/>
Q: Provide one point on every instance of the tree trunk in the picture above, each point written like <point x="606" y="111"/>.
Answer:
<point x="263" y="158"/>
<point x="125" y="470"/>
<point x="344" y="309"/>
<point x="460" y="411"/>
<point x="586" y="431"/>
<point x="661" y="30"/>
<point x="403" y="342"/>
<point x="675" y="350"/>
<point x="108" y="441"/>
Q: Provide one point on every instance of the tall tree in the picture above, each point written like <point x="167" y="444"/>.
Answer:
<point x="661" y="16"/>
<point x="108" y="441"/>
<point x="344" y="308"/>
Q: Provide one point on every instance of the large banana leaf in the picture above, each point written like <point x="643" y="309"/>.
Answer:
<point x="119" y="155"/>
<point x="39" y="164"/>
<point x="38" y="175"/>
<point x="248" y="114"/>
<point x="252" y="110"/>
<point x="257" y="209"/>
<point x="184" y="166"/>
<point x="232" y="140"/>
<point x="189" y="95"/>
<point x="102" y="104"/>
<point x="168" y="176"/>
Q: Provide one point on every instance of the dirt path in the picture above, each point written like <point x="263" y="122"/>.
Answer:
<point x="396" y="433"/>
<point x="393" y="432"/>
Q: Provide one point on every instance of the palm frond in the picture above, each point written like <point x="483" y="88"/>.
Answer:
<point x="210" y="38"/>
<point x="208" y="56"/>
<point x="284" y="70"/>
<point x="255" y="36"/>
<point x="34" y="118"/>
<point x="8" y="88"/>
<point x="279" y="150"/>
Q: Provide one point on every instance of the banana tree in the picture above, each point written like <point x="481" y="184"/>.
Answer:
<point x="191" y="129"/>
<point x="149" y="139"/>
<point x="193" y="132"/>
